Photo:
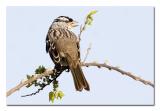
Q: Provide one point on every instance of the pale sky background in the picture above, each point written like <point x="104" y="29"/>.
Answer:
<point x="122" y="35"/>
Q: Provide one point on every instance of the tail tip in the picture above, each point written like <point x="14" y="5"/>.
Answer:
<point x="87" y="88"/>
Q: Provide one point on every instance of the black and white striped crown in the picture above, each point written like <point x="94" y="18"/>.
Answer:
<point x="63" y="19"/>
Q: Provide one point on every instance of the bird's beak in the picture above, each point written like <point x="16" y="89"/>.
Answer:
<point x="74" y="24"/>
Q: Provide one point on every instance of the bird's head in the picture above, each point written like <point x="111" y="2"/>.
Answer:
<point x="65" y="21"/>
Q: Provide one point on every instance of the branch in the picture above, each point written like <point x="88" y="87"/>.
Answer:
<point x="120" y="71"/>
<point x="88" y="22"/>
<point x="50" y="71"/>
<point x="82" y="28"/>
<point x="88" y="49"/>
<point x="38" y="89"/>
<point x="24" y="83"/>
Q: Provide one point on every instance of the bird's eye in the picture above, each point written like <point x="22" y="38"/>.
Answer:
<point x="70" y="20"/>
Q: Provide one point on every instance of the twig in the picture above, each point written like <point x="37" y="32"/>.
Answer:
<point x="88" y="21"/>
<point x="119" y="70"/>
<point x="88" y="49"/>
<point x="21" y="84"/>
<point x="49" y="72"/>
<point x="82" y="28"/>
<point x="38" y="89"/>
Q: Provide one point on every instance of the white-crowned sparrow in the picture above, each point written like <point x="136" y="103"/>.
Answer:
<point x="62" y="46"/>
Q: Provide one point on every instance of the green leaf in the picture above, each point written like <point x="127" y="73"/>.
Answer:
<point x="30" y="84"/>
<point x="28" y="76"/>
<point x="51" y="96"/>
<point x="55" y="82"/>
<point x="40" y="70"/>
<point x="89" y="22"/>
<point x="93" y="12"/>
<point x="60" y="94"/>
<point x="56" y="94"/>
<point x="55" y="85"/>
<point x="89" y="18"/>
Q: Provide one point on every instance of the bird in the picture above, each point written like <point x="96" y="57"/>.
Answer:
<point x="63" y="49"/>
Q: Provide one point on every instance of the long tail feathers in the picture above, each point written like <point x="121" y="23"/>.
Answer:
<point x="79" y="79"/>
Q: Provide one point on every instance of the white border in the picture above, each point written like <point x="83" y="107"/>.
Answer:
<point x="81" y="2"/>
<point x="5" y="3"/>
